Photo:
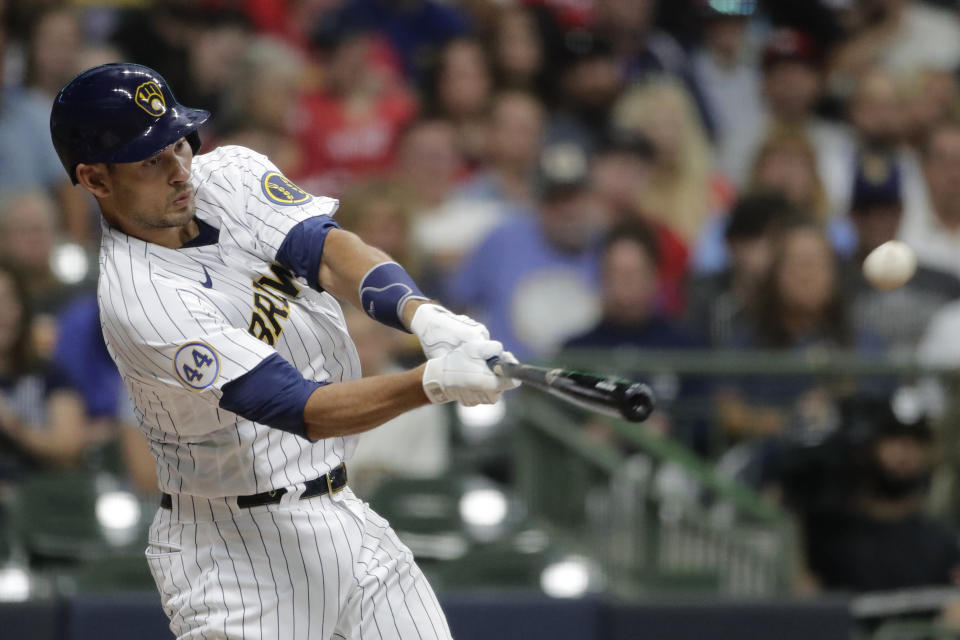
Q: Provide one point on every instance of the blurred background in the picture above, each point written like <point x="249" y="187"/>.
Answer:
<point x="680" y="191"/>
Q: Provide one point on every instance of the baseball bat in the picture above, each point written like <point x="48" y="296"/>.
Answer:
<point x="611" y="396"/>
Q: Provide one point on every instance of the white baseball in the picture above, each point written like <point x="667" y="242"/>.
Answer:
<point x="890" y="265"/>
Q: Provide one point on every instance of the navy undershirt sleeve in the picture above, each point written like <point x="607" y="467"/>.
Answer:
<point x="303" y="247"/>
<point x="273" y="393"/>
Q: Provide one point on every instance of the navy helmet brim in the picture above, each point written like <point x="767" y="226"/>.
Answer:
<point x="180" y="122"/>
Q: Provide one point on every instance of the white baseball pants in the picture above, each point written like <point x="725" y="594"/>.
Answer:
<point x="323" y="568"/>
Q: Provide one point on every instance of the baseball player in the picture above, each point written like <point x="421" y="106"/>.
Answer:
<point x="218" y="292"/>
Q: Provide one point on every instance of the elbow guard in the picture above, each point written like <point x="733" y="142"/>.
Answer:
<point x="384" y="291"/>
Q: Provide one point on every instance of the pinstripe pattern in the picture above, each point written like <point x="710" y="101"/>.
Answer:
<point x="153" y="301"/>
<point x="327" y="567"/>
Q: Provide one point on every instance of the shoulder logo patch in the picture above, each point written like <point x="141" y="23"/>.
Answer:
<point x="279" y="190"/>
<point x="150" y="99"/>
<point x="197" y="365"/>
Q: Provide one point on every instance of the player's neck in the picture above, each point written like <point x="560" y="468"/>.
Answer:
<point x="170" y="237"/>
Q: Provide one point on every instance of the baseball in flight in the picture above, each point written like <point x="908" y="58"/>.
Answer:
<point x="890" y="265"/>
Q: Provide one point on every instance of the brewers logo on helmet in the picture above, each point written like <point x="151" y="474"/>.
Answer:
<point x="119" y="112"/>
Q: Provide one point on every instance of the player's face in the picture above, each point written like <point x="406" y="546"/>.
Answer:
<point x="155" y="193"/>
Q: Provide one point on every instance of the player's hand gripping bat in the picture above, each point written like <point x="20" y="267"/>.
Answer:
<point x="611" y="396"/>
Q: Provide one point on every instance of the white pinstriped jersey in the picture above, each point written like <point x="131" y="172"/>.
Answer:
<point x="181" y="323"/>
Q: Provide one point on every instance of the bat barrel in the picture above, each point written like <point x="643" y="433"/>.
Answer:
<point x="637" y="403"/>
<point x="615" y="397"/>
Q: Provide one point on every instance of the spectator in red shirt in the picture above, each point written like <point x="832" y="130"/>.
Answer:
<point x="351" y="124"/>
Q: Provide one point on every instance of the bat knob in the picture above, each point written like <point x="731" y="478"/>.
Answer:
<point x="637" y="403"/>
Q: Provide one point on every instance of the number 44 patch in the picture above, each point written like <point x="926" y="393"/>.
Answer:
<point x="197" y="365"/>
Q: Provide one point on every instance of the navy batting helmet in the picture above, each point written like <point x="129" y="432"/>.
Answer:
<point x="119" y="112"/>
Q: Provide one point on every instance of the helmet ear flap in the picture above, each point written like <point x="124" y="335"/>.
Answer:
<point x="194" y="139"/>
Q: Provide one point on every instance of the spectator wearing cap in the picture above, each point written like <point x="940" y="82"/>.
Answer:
<point x="878" y="114"/>
<point x="620" y="169"/>
<point x="793" y="84"/>
<point x="724" y="71"/>
<point x="534" y="281"/>
<point x="900" y="316"/>
<point x="931" y="226"/>
<point x="880" y="539"/>
<point x="718" y="302"/>
<point x="589" y="84"/>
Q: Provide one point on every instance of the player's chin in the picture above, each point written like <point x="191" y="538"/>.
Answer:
<point x="181" y="213"/>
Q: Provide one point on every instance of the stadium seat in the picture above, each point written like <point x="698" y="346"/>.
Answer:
<point x="54" y="517"/>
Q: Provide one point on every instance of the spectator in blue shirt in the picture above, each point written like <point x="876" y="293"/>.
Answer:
<point x="629" y="291"/>
<point x="534" y="280"/>
<point x="27" y="157"/>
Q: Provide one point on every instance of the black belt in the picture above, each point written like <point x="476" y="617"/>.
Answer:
<point x="332" y="482"/>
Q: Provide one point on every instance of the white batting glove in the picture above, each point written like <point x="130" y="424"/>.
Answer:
<point x="440" y="331"/>
<point x="463" y="375"/>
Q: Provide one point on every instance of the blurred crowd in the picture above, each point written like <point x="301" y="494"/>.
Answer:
<point x="599" y="174"/>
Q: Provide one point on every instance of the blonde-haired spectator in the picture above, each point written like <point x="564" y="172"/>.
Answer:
<point x="260" y="111"/>
<point x="683" y="188"/>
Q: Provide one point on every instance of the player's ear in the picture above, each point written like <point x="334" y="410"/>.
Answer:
<point x="95" y="178"/>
